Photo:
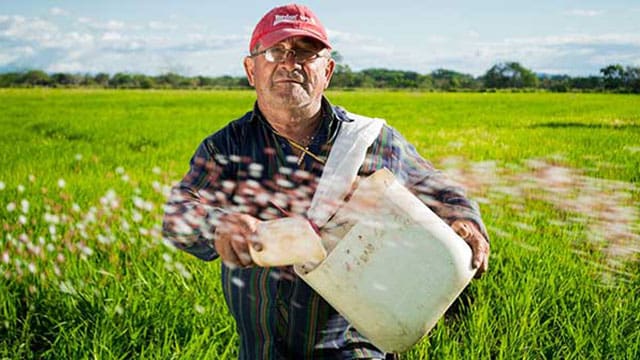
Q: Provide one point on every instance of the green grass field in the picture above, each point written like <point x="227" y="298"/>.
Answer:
<point x="84" y="272"/>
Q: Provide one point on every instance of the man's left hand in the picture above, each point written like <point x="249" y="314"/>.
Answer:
<point x="469" y="231"/>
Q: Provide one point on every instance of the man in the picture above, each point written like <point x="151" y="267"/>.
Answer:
<point x="266" y="165"/>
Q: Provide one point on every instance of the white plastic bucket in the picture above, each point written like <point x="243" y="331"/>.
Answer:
<point x="393" y="267"/>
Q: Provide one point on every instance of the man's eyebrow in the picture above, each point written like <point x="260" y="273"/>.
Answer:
<point x="307" y="43"/>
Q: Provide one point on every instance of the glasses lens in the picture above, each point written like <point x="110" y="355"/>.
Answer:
<point x="278" y="54"/>
<point x="303" y="55"/>
<point x="275" y="54"/>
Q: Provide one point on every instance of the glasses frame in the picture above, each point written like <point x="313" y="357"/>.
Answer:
<point x="269" y="57"/>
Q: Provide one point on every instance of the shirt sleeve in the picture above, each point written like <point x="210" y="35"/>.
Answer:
<point x="196" y="203"/>
<point x="441" y="194"/>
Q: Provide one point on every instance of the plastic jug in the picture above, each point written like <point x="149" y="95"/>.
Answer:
<point x="393" y="266"/>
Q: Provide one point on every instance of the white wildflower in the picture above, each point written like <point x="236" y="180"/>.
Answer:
<point x="20" y="188"/>
<point x="199" y="308"/>
<point x="24" y="204"/>
<point x="78" y="157"/>
<point x="22" y="219"/>
<point x="118" y="310"/>
<point x="125" y="225"/>
<point x="75" y="207"/>
<point x="11" y="207"/>
<point x="119" y="170"/>
<point x="156" y="186"/>
<point x="103" y="239"/>
<point x="138" y="202"/>
<point x="136" y="216"/>
<point x="156" y="170"/>
<point x="2" y="185"/>
<point x="61" y="183"/>
<point x="67" y="288"/>
<point x="86" y="250"/>
<point x="51" y="218"/>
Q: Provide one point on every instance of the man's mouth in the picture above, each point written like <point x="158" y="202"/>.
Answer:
<point x="285" y="81"/>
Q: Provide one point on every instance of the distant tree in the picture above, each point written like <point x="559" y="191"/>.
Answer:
<point x="142" y="81"/>
<point x="449" y="80"/>
<point x="509" y="75"/>
<point x="425" y="82"/>
<point x="170" y="79"/>
<point x="65" y="79"/>
<point x="632" y="79"/>
<point x="613" y="76"/>
<point x="10" y="79"/>
<point x="342" y="77"/>
<point x="102" y="79"/>
<point x="121" y="80"/>
<point x="335" y="55"/>
<point x="590" y="83"/>
<point x="384" y="78"/>
<point x="35" y="78"/>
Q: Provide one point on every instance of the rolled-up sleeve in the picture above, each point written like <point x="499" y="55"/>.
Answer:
<point x="435" y="189"/>
<point x="195" y="204"/>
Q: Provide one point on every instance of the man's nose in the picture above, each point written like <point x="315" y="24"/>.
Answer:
<point x="289" y="60"/>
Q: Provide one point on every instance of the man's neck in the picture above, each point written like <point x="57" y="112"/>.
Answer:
<point x="298" y="124"/>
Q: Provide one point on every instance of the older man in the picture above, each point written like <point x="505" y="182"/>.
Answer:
<point x="266" y="165"/>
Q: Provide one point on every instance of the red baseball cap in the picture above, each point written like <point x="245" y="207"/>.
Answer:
<point x="286" y="21"/>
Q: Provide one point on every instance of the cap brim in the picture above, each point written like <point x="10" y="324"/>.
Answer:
<point x="275" y="37"/>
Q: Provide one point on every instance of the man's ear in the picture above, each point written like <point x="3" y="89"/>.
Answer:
<point x="328" y="71"/>
<point x="249" y="68"/>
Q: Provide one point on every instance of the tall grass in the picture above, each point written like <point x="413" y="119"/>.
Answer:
<point x="85" y="273"/>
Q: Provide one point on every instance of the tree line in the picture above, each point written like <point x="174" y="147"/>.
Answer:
<point x="505" y="75"/>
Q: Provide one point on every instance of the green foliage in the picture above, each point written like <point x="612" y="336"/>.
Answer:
<point x="509" y="75"/>
<point x="621" y="79"/>
<point x="120" y="292"/>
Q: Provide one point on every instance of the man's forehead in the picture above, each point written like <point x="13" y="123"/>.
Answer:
<point x="301" y="41"/>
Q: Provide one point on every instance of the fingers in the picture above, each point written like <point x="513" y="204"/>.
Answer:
<point x="479" y="245"/>
<point x="481" y="251"/>
<point x="232" y="238"/>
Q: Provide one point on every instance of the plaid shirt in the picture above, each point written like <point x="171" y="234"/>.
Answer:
<point x="246" y="167"/>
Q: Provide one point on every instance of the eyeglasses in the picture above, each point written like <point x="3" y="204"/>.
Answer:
<point x="278" y="54"/>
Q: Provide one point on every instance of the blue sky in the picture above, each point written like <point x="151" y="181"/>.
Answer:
<point x="211" y="37"/>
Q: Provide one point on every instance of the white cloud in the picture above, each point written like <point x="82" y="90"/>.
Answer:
<point x="583" y="13"/>
<point x="473" y="34"/>
<point x="87" y="45"/>
<point x="111" y="36"/>
<point x="159" y="25"/>
<point x="56" y="11"/>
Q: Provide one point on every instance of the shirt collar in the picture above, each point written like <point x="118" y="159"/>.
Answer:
<point x="334" y="113"/>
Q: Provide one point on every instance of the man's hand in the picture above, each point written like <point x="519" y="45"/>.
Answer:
<point x="469" y="231"/>
<point x="233" y="237"/>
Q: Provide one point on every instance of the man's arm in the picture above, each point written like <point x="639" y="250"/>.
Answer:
<point x="199" y="217"/>
<point x="446" y="198"/>
<point x="193" y="209"/>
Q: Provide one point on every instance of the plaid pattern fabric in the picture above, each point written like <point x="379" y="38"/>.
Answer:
<point x="246" y="167"/>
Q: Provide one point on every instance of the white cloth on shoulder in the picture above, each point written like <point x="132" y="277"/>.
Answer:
<point x="341" y="169"/>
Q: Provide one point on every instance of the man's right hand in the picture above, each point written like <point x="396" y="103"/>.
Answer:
<point x="233" y="236"/>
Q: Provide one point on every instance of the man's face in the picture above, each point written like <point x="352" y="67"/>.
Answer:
<point x="288" y="83"/>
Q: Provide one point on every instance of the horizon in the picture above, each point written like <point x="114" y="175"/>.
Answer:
<point x="192" y="38"/>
